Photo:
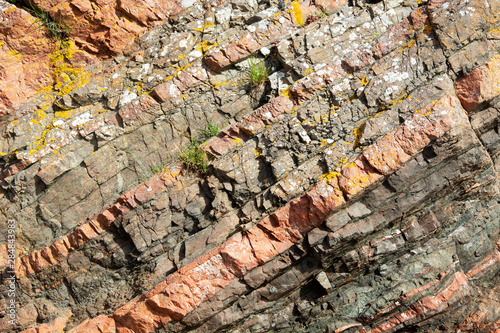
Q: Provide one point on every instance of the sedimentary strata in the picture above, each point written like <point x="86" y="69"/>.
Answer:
<point x="355" y="190"/>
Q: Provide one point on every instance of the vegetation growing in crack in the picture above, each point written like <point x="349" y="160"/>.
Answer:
<point x="194" y="156"/>
<point x="57" y="30"/>
<point x="258" y="71"/>
<point x="152" y="170"/>
<point x="210" y="130"/>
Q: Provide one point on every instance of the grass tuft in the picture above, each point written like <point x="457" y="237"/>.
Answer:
<point x="210" y="130"/>
<point x="194" y="157"/>
<point x="57" y="30"/>
<point x="259" y="71"/>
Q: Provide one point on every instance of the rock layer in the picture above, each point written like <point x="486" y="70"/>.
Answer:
<point x="355" y="190"/>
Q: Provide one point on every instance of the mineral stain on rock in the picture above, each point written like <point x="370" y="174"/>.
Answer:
<point x="357" y="193"/>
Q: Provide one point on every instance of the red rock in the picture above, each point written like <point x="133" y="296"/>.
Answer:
<point x="37" y="262"/>
<point x="357" y="176"/>
<point x="432" y="4"/>
<point x="166" y="91"/>
<point x="490" y="262"/>
<point x="47" y="255"/>
<point x="99" y="324"/>
<point x="303" y="89"/>
<point x="329" y="6"/>
<point x="133" y="109"/>
<point x="20" y="269"/>
<point x="249" y="125"/>
<point x="105" y="219"/>
<point x="24" y="58"/>
<point x="262" y="247"/>
<point x="86" y="231"/>
<point x="59" y="249"/>
<point x="386" y="155"/>
<point x="455" y="289"/>
<point x="177" y="295"/>
<point x="419" y="18"/>
<point x="176" y="299"/>
<point x="147" y="191"/>
<point x="138" y="318"/>
<point x="57" y="325"/>
<point x="209" y="276"/>
<point x="238" y="254"/>
<point x="427" y="124"/>
<point x="217" y="60"/>
<point x="276" y="107"/>
<point x="279" y="226"/>
<point x="481" y="85"/>
<point x="392" y="38"/>
<point x="358" y="59"/>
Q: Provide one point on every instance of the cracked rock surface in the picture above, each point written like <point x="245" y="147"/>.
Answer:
<point x="353" y="190"/>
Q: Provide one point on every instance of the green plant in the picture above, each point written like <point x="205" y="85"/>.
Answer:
<point x="211" y="129"/>
<point x="321" y="14"/>
<point x="194" y="157"/>
<point x="157" y="168"/>
<point x="56" y="29"/>
<point x="151" y="171"/>
<point x="258" y="71"/>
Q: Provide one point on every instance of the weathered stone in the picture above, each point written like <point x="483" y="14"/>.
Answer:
<point x="481" y="85"/>
<point x="361" y="198"/>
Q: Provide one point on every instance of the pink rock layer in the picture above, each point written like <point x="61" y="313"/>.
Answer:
<point x="53" y="254"/>
<point x="182" y="291"/>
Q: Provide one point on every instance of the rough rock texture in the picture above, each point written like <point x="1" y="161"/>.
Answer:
<point x="355" y="190"/>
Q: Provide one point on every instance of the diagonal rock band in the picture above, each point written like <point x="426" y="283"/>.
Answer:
<point x="353" y="189"/>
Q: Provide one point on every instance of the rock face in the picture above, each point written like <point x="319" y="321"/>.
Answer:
<point x="355" y="190"/>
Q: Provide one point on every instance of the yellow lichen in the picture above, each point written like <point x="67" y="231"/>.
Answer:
<point x="207" y="24"/>
<point x="364" y="80"/>
<point x="237" y="141"/>
<point x="204" y="46"/>
<point x="257" y="152"/>
<point x="358" y="132"/>
<point x="296" y="12"/>
<point x="67" y="78"/>
<point x="285" y="93"/>
<point x="406" y="46"/>
<point x="41" y="141"/>
<point x="63" y="114"/>
<point x="15" y="54"/>
<point x="65" y="49"/>
<point x="328" y="177"/>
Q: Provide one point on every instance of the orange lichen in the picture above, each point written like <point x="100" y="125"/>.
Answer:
<point x="364" y="80"/>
